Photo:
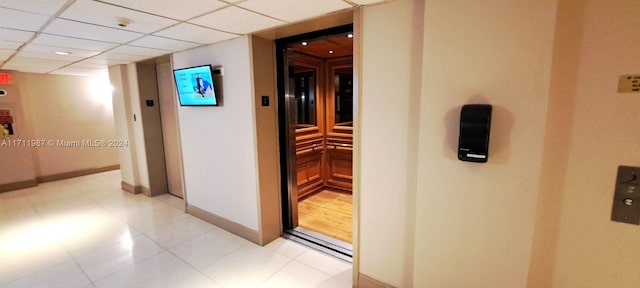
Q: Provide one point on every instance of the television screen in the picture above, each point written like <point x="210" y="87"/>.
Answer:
<point x="195" y="86"/>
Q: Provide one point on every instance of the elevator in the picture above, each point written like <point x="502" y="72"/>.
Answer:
<point x="315" y="90"/>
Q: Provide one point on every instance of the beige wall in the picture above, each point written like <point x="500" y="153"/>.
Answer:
<point x="593" y="251"/>
<point x="477" y="220"/>
<point x="452" y="223"/>
<point x="70" y="108"/>
<point x="16" y="163"/>
<point x="266" y="129"/>
<point x="387" y="143"/>
<point x="123" y="117"/>
<point x="52" y="108"/>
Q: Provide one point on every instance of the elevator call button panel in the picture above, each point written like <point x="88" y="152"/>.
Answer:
<point x="626" y="198"/>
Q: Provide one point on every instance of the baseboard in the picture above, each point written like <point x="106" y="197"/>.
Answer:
<point x="18" y="185"/>
<point x="226" y="224"/>
<point x="146" y="191"/>
<point x="130" y="188"/>
<point x="365" y="281"/>
<point x="77" y="173"/>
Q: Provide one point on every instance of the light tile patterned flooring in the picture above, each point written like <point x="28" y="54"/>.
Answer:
<point x="86" y="232"/>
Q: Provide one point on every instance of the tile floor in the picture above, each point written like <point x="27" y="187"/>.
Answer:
<point x="86" y="232"/>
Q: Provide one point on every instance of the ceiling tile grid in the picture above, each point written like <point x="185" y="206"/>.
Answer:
<point x="90" y="30"/>
<point x="69" y="42"/>
<point x="19" y="20"/>
<point x="193" y="33"/>
<point x="46" y="7"/>
<point x="294" y="10"/>
<point x="236" y="20"/>
<point x="92" y="12"/>
<point x="69" y="28"/>
<point x="180" y="10"/>
<point x="164" y="43"/>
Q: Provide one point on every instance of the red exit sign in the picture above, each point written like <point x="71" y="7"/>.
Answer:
<point x="5" y="78"/>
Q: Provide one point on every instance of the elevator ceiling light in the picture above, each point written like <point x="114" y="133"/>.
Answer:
<point x="62" y="52"/>
<point x="304" y="43"/>
<point x="350" y="35"/>
<point x="331" y="51"/>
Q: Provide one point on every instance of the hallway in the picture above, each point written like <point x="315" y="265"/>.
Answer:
<point x="86" y="232"/>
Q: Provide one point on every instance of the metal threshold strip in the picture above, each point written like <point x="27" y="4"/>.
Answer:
<point x="339" y="249"/>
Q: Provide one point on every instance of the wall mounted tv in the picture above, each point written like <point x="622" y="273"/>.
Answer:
<point x="198" y="86"/>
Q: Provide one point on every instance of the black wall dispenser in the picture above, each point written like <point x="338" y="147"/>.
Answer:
<point x="475" y="125"/>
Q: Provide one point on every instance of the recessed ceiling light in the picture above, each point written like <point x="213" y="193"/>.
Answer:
<point x="331" y="51"/>
<point x="62" y="52"/>
<point x="304" y="43"/>
<point x="350" y="35"/>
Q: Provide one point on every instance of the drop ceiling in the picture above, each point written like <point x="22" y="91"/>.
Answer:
<point x="83" y="37"/>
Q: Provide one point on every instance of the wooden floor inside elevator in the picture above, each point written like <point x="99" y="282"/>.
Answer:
<point x="329" y="213"/>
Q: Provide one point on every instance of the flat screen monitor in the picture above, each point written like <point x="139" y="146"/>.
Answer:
<point x="195" y="86"/>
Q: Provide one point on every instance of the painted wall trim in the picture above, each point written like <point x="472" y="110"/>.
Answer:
<point x="226" y="224"/>
<point x="18" y="185"/>
<point x="72" y="174"/>
<point x="130" y="188"/>
<point x="368" y="282"/>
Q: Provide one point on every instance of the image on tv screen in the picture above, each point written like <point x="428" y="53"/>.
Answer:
<point x="195" y="86"/>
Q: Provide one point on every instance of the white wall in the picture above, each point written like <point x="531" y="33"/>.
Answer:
<point x="218" y="143"/>
<point x="593" y="251"/>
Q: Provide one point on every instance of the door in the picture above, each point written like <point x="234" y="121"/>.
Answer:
<point x="169" y="119"/>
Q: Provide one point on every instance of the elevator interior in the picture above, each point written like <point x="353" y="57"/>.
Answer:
<point x="317" y="124"/>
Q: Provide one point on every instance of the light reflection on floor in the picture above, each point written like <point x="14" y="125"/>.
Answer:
<point x="85" y="232"/>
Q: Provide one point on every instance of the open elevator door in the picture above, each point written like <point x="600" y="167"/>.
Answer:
<point x="289" y="86"/>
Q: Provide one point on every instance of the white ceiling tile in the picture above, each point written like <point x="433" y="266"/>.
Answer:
<point x="10" y="44"/>
<point x="79" y="71"/>
<point x="33" y="65"/>
<point x="236" y="20"/>
<point x="294" y="10"/>
<point x="62" y="41"/>
<point x="193" y="33"/>
<point x="367" y="2"/>
<point x="139" y="51"/>
<point x="181" y="10"/>
<point x="15" y="35"/>
<point x="47" y="7"/>
<point x="119" y="58"/>
<point x="163" y="43"/>
<point x="104" y="60"/>
<point x="91" y="32"/>
<point x="44" y="49"/>
<point x="107" y="15"/>
<point x="5" y="54"/>
<point x="90" y="65"/>
<point x="47" y="56"/>
<point x="15" y="19"/>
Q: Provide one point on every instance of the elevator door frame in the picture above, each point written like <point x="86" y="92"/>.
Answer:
<point x="287" y="150"/>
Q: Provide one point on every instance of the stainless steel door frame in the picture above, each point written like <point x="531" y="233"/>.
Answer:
<point x="290" y="128"/>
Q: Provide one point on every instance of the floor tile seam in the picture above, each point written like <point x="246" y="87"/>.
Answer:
<point x="194" y="268"/>
<point x="289" y="260"/>
<point x="37" y="271"/>
<point x="215" y="261"/>
<point x="83" y="272"/>
<point x="162" y="250"/>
